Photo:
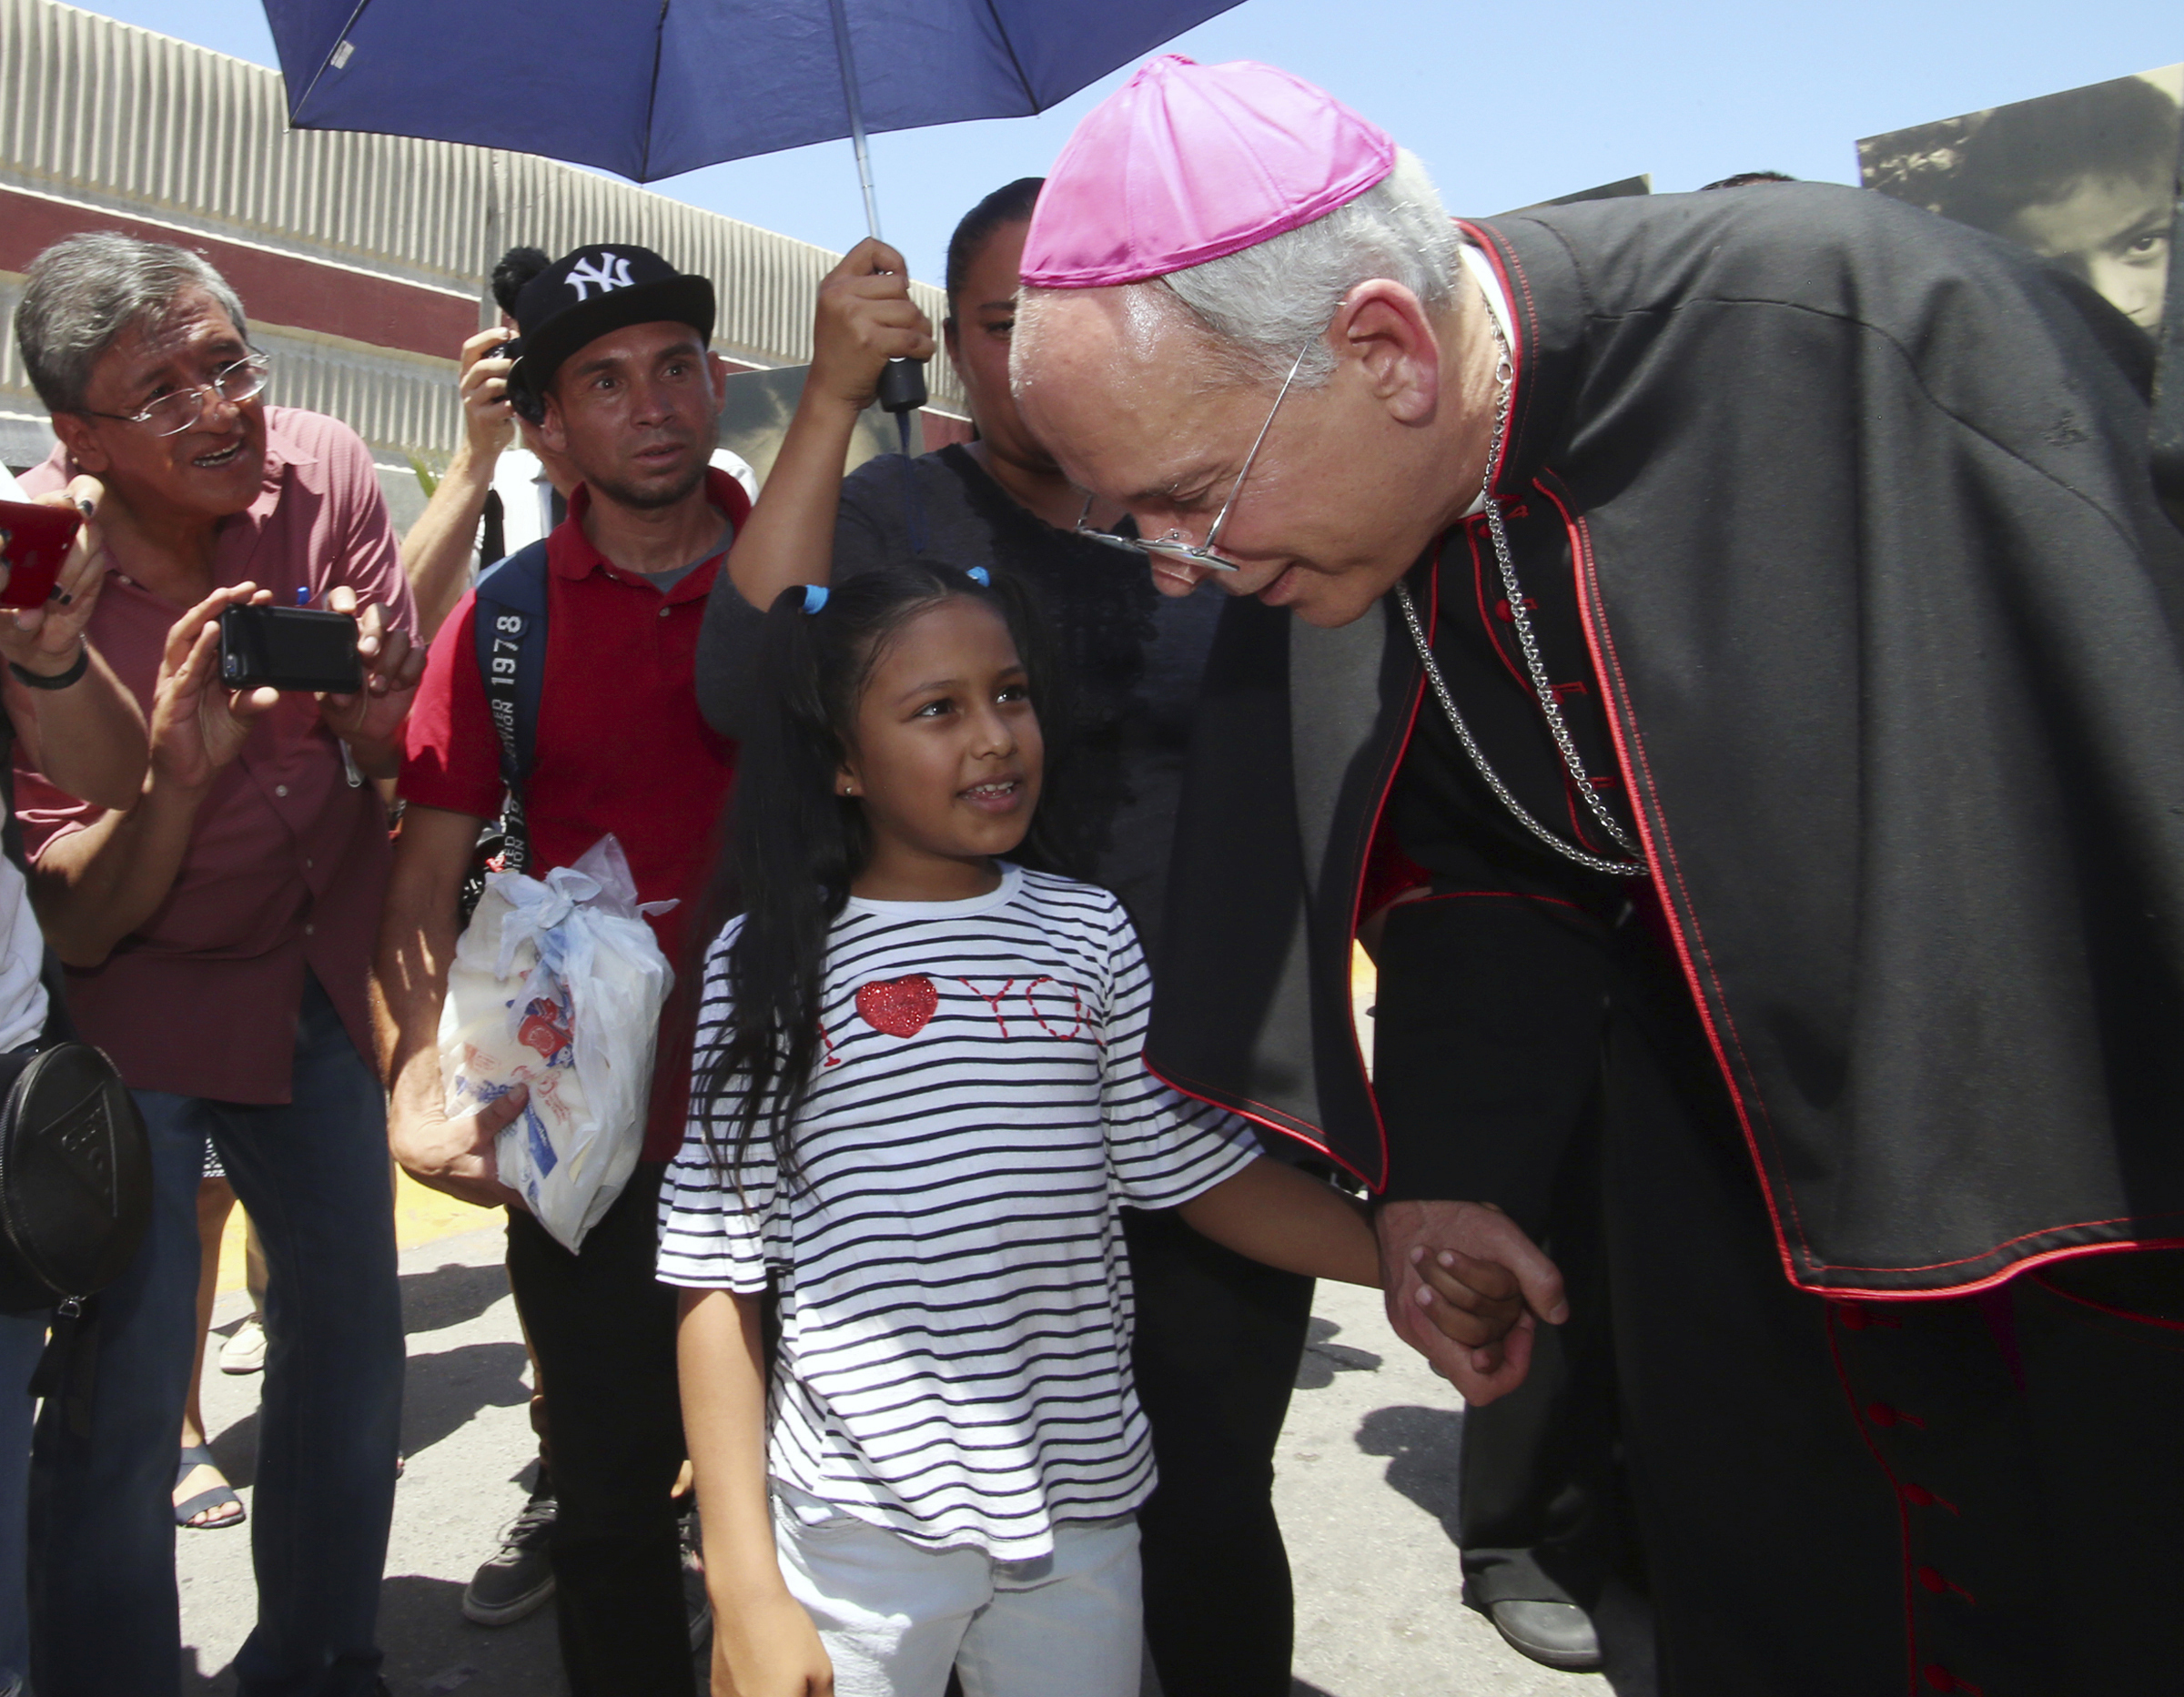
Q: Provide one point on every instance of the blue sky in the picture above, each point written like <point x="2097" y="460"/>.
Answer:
<point x="1507" y="106"/>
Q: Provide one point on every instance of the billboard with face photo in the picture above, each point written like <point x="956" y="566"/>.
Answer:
<point x="2087" y="178"/>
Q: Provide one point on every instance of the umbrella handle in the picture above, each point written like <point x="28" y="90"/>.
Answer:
<point x="902" y="386"/>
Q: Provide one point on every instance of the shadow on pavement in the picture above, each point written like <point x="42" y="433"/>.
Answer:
<point x="444" y="1389"/>
<point x="196" y="1683"/>
<point x="433" y="1652"/>
<point x="449" y="1296"/>
<point x="235" y="1451"/>
<point x="1424" y="1446"/>
<point x="1321" y="1360"/>
<point x="448" y="1387"/>
<point x="1424" y="1449"/>
<point x="442" y="1393"/>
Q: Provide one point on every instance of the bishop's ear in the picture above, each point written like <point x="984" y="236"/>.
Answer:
<point x="1389" y="339"/>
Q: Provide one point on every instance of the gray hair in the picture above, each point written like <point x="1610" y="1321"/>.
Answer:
<point x="82" y="293"/>
<point x="1261" y="304"/>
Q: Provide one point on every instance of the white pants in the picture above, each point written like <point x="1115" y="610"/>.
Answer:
<point x="896" y="1618"/>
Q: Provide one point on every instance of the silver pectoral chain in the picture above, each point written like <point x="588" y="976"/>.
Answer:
<point x="1633" y="868"/>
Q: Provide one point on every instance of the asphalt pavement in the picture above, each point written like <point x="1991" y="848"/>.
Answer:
<point x="1366" y="1491"/>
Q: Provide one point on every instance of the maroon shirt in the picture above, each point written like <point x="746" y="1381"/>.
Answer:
<point x="287" y="865"/>
<point x="622" y="748"/>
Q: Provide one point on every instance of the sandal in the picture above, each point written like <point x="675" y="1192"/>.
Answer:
<point x="221" y="1496"/>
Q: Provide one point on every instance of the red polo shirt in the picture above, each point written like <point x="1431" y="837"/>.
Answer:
<point x="621" y="747"/>
<point x="285" y="869"/>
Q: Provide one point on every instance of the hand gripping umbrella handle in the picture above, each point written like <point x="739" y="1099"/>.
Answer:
<point x="902" y="386"/>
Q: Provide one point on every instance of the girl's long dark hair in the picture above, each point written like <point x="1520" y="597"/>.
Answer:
<point x="794" y="846"/>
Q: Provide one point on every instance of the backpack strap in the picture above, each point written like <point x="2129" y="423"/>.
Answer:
<point x="510" y="626"/>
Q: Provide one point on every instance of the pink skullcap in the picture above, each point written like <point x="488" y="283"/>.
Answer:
<point x="1186" y="163"/>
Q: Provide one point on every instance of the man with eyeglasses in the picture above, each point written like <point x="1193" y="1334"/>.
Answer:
<point x="1738" y="673"/>
<point x="217" y="935"/>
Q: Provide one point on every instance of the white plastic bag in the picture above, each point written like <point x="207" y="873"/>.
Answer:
<point x="557" y="984"/>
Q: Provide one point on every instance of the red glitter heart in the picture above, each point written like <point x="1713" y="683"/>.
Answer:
<point x="898" y="1006"/>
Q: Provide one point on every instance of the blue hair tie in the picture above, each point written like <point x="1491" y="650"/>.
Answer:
<point x="814" y="597"/>
<point x="979" y="575"/>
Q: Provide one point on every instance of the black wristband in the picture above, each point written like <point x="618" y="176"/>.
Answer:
<point x="59" y="680"/>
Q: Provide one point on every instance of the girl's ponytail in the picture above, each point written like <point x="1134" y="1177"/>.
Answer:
<point x="794" y="847"/>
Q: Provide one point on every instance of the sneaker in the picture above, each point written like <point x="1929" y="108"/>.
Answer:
<point x="696" y="1603"/>
<point x="518" y="1581"/>
<point x="245" y="1350"/>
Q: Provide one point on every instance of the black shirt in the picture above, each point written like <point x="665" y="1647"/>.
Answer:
<point x="1134" y="655"/>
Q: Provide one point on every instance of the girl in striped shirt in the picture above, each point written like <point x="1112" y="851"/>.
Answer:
<point x="920" y="1101"/>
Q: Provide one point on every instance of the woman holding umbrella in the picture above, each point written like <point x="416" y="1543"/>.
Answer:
<point x="1218" y="1337"/>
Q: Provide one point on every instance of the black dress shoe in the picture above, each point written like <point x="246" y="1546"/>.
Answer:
<point x="1557" y="1635"/>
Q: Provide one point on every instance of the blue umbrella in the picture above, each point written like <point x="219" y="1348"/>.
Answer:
<point x="651" y="88"/>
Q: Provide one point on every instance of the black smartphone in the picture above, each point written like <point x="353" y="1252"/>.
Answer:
<point x="290" y="648"/>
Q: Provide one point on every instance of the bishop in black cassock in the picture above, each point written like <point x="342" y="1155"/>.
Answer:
<point x="1807" y="910"/>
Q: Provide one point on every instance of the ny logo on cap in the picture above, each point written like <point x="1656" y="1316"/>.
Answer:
<point x="607" y="270"/>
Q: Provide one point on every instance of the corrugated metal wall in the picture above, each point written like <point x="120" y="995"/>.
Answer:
<point x="113" y="116"/>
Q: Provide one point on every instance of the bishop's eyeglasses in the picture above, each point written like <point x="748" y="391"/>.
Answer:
<point x="1175" y="545"/>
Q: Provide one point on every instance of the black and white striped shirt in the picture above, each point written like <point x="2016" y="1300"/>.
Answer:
<point x="955" y="1296"/>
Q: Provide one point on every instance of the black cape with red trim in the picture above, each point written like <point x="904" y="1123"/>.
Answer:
<point x="1886" y="617"/>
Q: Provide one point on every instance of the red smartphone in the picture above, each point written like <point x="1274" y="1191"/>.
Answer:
<point x="34" y="540"/>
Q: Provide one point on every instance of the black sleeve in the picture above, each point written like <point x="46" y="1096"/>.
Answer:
<point x="865" y="539"/>
<point x="727" y="655"/>
<point x="1486" y="1049"/>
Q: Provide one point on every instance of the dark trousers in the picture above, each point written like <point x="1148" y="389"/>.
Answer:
<point x="1217" y="1342"/>
<point x="604" y="1330"/>
<point x="1976" y="1494"/>
<point x="1540" y="1516"/>
<point x="312" y="1172"/>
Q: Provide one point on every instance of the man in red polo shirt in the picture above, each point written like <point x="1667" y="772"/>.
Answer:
<point x="613" y="361"/>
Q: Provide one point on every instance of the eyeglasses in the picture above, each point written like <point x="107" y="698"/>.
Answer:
<point x="1175" y="545"/>
<point x="179" y="408"/>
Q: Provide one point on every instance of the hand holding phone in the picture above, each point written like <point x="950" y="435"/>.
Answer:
<point x="369" y="722"/>
<point x="290" y="648"/>
<point x="47" y="609"/>
<point x="196" y="727"/>
<point x="488" y="420"/>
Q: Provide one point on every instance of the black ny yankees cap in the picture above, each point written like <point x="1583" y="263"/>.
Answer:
<point x="581" y="297"/>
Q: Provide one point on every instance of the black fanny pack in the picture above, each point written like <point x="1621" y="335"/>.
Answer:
<point x="75" y="1176"/>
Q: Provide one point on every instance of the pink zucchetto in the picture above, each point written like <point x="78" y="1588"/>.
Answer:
<point x="1186" y="163"/>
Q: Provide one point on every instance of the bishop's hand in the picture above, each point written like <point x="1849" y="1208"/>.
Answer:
<point x="1465" y="1287"/>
